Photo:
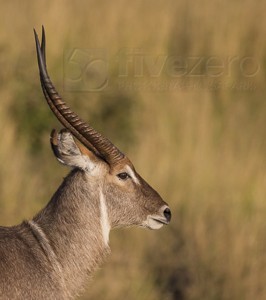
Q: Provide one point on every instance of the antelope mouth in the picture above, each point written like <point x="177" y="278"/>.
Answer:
<point x="154" y="222"/>
<point x="160" y="220"/>
<point x="157" y="221"/>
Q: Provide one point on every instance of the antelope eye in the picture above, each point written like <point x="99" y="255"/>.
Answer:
<point x="123" y="176"/>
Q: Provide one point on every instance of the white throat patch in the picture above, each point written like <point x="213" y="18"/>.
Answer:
<point x="104" y="219"/>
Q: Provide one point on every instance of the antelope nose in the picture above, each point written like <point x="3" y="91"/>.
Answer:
<point x="167" y="214"/>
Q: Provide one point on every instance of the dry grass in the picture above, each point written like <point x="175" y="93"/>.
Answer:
<point x="204" y="146"/>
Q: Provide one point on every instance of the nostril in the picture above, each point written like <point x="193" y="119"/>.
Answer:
<point x="167" y="214"/>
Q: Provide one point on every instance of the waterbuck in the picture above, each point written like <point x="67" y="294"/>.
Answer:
<point x="52" y="255"/>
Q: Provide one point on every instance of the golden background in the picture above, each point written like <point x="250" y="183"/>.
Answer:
<point x="198" y="135"/>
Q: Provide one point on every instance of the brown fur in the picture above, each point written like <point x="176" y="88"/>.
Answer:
<point x="51" y="256"/>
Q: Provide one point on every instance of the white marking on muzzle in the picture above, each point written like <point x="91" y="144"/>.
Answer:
<point x="132" y="174"/>
<point x="104" y="219"/>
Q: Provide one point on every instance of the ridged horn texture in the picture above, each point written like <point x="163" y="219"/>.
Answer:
<point x="87" y="135"/>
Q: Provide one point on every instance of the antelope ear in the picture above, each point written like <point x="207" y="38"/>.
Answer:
<point x="69" y="153"/>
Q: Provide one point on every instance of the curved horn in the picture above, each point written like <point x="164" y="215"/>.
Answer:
<point x="86" y="134"/>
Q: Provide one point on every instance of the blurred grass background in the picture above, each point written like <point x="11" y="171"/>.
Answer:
<point x="202" y="144"/>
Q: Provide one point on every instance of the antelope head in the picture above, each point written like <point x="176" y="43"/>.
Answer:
<point x="125" y="197"/>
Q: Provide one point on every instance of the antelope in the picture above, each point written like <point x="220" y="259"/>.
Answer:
<point x="52" y="255"/>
